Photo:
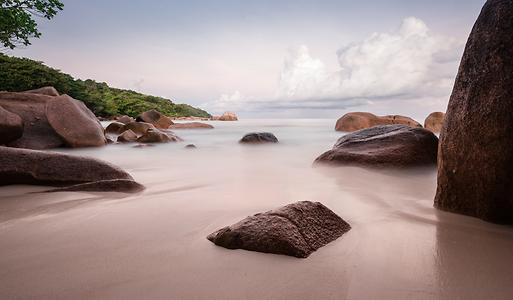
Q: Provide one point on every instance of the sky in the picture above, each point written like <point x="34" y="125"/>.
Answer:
<point x="267" y="59"/>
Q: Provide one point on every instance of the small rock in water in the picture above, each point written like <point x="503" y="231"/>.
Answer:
<point x="190" y="146"/>
<point x="258" y="138"/>
<point x="127" y="137"/>
<point x="296" y="229"/>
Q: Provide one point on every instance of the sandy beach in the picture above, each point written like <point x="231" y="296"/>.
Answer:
<point x="153" y="245"/>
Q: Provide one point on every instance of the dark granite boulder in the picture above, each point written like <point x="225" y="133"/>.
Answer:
<point x="22" y="166"/>
<point x="296" y="229"/>
<point x="258" y="138"/>
<point x="475" y="163"/>
<point x="384" y="146"/>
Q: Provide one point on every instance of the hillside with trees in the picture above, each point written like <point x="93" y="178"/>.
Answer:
<point x="21" y="74"/>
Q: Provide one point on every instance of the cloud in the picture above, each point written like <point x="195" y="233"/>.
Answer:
<point x="410" y="63"/>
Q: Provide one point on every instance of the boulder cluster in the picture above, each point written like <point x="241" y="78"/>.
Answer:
<point x="149" y="127"/>
<point x="43" y="119"/>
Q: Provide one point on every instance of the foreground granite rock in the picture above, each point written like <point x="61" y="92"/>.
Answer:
<point x="475" y="173"/>
<point x="296" y="229"/>
<point x="258" y="138"/>
<point x="434" y="121"/>
<point x="156" y="118"/>
<point x="11" y="126"/>
<point x="360" y="120"/>
<point x="22" y="166"/>
<point x="397" y="146"/>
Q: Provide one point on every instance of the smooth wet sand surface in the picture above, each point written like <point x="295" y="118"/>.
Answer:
<point x="153" y="245"/>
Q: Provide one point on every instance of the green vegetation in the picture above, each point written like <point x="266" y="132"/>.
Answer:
<point x="21" y="74"/>
<point x="17" y="24"/>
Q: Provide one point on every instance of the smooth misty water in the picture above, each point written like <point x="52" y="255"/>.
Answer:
<point x="152" y="245"/>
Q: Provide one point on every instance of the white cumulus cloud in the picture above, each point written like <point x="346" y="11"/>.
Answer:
<point x="410" y="63"/>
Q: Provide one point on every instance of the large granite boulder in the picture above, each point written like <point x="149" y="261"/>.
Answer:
<point x="384" y="146"/>
<point x="52" y="121"/>
<point x="156" y="118"/>
<point x="74" y="122"/>
<point x="434" y="121"/>
<point x="360" y="120"/>
<point x="297" y="229"/>
<point x="22" y="166"/>
<point x="259" y="138"/>
<point x="11" y="126"/>
<point x="475" y="163"/>
<point x="37" y="132"/>
<point x="191" y="125"/>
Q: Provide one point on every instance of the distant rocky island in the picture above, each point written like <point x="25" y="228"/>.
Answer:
<point x="22" y="74"/>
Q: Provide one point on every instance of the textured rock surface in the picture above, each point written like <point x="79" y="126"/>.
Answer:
<point x="156" y="118"/>
<point x="47" y="90"/>
<point x="11" y="126"/>
<point x="384" y="146"/>
<point x="22" y="166"/>
<point x="258" y="138"/>
<point x="115" y="128"/>
<point x="191" y="125"/>
<point x="434" y="121"/>
<point x="127" y="136"/>
<point x="475" y="173"/>
<point x="37" y="132"/>
<point x="297" y="229"/>
<point x="138" y="128"/>
<point x="74" y="122"/>
<point x="360" y="120"/>
<point x="157" y="136"/>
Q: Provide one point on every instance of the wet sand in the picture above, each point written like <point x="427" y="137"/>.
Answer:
<point x="153" y="245"/>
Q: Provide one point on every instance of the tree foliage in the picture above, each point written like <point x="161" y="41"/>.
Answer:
<point x="17" y="24"/>
<point x="21" y="74"/>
